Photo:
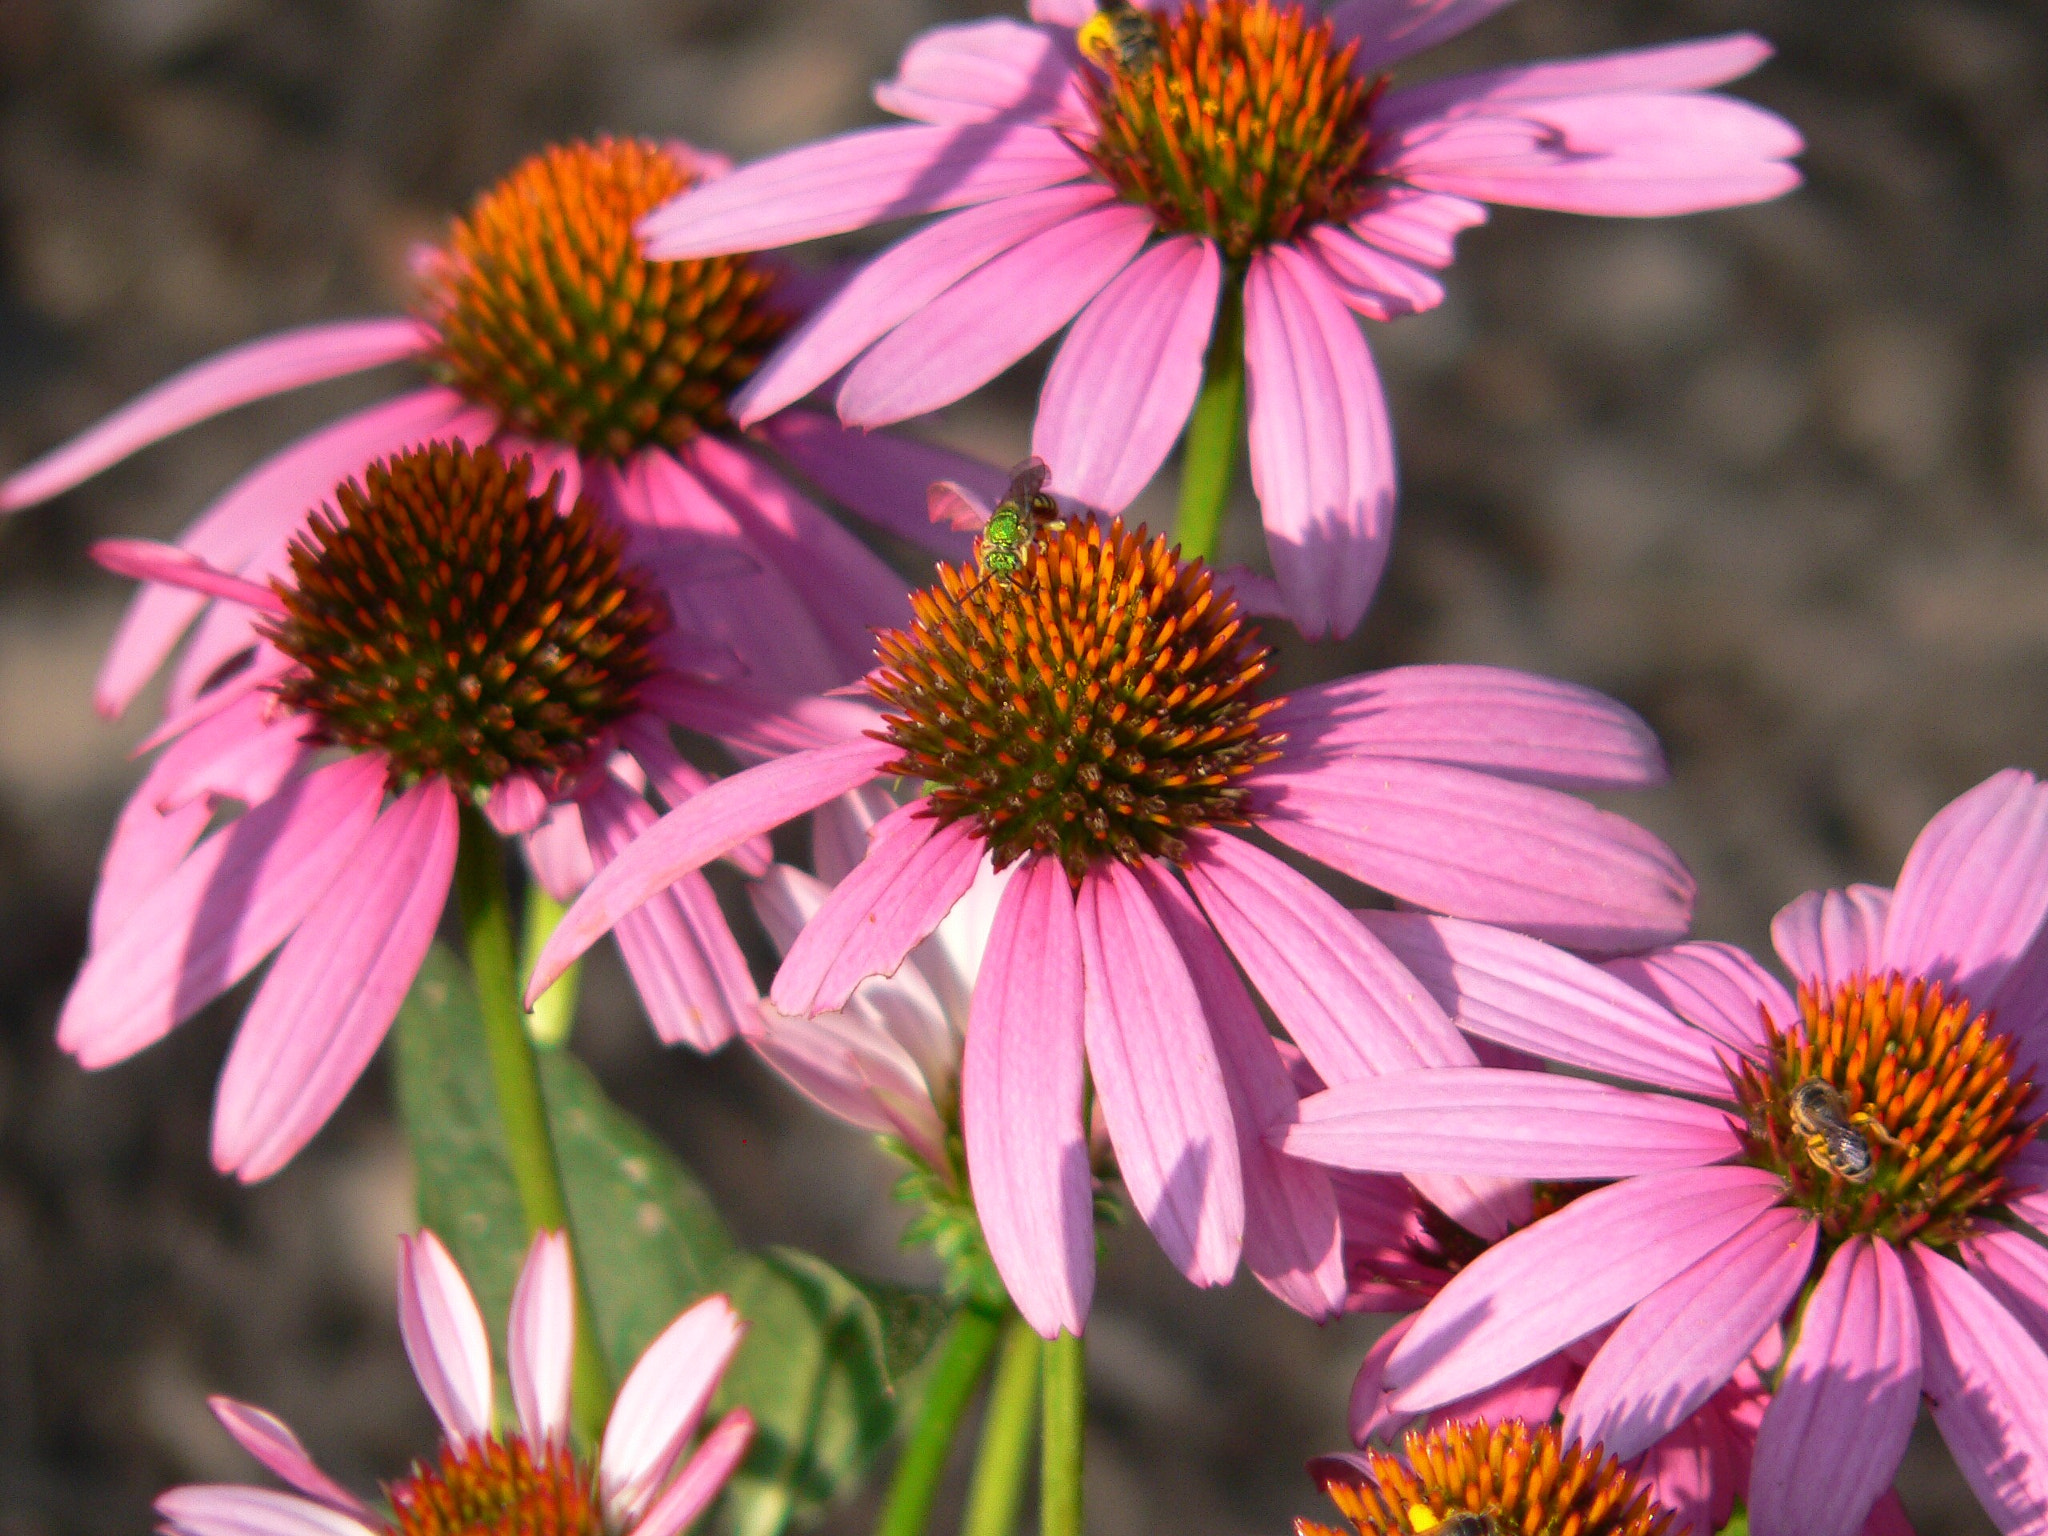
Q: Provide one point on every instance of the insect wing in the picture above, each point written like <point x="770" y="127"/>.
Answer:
<point x="955" y="507"/>
<point x="1026" y="481"/>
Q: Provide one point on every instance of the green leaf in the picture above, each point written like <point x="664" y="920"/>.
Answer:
<point x="911" y="1320"/>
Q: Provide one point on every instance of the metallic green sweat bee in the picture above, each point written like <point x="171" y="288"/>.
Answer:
<point x="1007" y="533"/>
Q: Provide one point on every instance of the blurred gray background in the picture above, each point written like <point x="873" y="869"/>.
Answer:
<point x="1777" y="477"/>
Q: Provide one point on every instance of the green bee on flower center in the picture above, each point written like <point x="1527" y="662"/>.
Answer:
<point x="1008" y="533"/>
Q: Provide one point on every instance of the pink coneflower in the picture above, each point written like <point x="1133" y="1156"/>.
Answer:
<point x="550" y="335"/>
<point x="1249" y="161"/>
<point x="1097" y="723"/>
<point x="1849" y="1164"/>
<point x="472" y="646"/>
<point x="486" y="1479"/>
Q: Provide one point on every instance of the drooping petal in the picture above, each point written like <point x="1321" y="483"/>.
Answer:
<point x="1680" y="1343"/>
<point x="1837" y="1425"/>
<point x="840" y="830"/>
<point x="1372" y="282"/>
<point x="444" y="1337"/>
<point x="540" y="1338"/>
<point x="1418" y="226"/>
<point x="1021" y="1086"/>
<point x="1471" y="844"/>
<point x="754" y="722"/>
<point x="1517" y="1125"/>
<point x="861" y="178"/>
<point x="558" y="852"/>
<point x="1322" y="449"/>
<point x="215" y="1510"/>
<point x="660" y="1402"/>
<point x="167" y="565"/>
<point x="270" y="1440"/>
<point x="1123" y="383"/>
<point x="882" y="476"/>
<point x="271" y="366"/>
<point x="233" y="899"/>
<point x="979" y="71"/>
<point x="698" y="831"/>
<point x="703" y="1475"/>
<point x="1697" y="64"/>
<point x="1570" y="1273"/>
<point x="1713" y="987"/>
<point x="1157" y="1078"/>
<point x="992" y="317"/>
<point x="1390" y="30"/>
<point x="336" y="986"/>
<point x="2014" y="1268"/>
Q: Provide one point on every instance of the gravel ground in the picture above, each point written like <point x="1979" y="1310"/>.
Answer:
<point x="1777" y="477"/>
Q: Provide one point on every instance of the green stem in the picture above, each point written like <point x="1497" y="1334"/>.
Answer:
<point x="963" y="1360"/>
<point x="1066" y="1417"/>
<point x="1004" y="1456"/>
<point x="1209" y="454"/>
<point x="554" y="1011"/>
<point x="515" y="1073"/>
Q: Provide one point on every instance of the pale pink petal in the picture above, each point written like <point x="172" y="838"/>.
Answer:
<point x="979" y="71"/>
<point x="857" y="179"/>
<point x="703" y="1475"/>
<point x="1292" y="1242"/>
<point x="1061" y="13"/>
<point x="1516" y="1125"/>
<point x="1831" y="1439"/>
<point x="1122" y="384"/>
<point x="249" y="372"/>
<point x="233" y="899"/>
<point x="203" y="1510"/>
<point x="698" y="831"/>
<point x="1680" y="1343"/>
<point x="2014" y="1268"/>
<point x="992" y="318"/>
<point x="914" y="872"/>
<point x="515" y="805"/>
<point x="1713" y="987"/>
<point x="1157" y="1078"/>
<point x="882" y="476"/>
<point x="898" y="284"/>
<point x="1570" y="1273"/>
<point x="335" y="987"/>
<point x="540" y="1338"/>
<point x="751" y="721"/>
<point x="840" y="830"/>
<point x="256" y="674"/>
<point x="1371" y="282"/>
<point x="1322" y="448"/>
<point x="1518" y="725"/>
<point x="660" y="1402"/>
<point x="558" y="852"/>
<point x="1417" y="226"/>
<point x="852" y="1069"/>
<point x="270" y="1440"/>
<point x="444" y="1337"/>
<point x="1827" y="938"/>
<point x="1370" y="1414"/>
<point x="1982" y="1374"/>
<point x="1695" y="65"/>
<point x="1021" y="1087"/>
<point x="170" y="566"/>
<point x="1390" y="30"/>
<point x="1475" y="845"/>
<point x="1973" y="892"/>
<point x="1529" y="996"/>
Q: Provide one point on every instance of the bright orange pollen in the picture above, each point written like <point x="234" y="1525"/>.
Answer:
<point x="549" y="315"/>
<point x="495" y="1487"/>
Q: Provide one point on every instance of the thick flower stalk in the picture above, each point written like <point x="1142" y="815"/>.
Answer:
<point x="1212" y="209"/>
<point x="1099" y="723"/>
<point x="1856" y="1161"/>
<point x="642" y="1479"/>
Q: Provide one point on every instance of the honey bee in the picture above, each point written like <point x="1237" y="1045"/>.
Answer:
<point x="1464" y="1522"/>
<point x="1832" y="1139"/>
<point x="1120" y="37"/>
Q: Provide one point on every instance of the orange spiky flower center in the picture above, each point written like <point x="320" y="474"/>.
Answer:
<point x="1239" y="119"/>
<point x="445" y="614"/>
<point x="548" y="314"/>
<point x="1098" y="703"/>
<point x="1481" y="1479"/>
<point x="497" y="1487"/>
<point x="1891" y="1109"/>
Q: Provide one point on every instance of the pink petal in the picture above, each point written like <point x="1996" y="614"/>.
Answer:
<point x="1832" y="1437"/>
<point x="1473" y="845"/>
<point x="323" y="1010"/>
<point x="540" y="1338"/>
<point x="660" y="1402"/>
<point x="751" y="721"/>
<point x="444" y="1337"/>
<point x="168" y="565"/>
<point x="992" y="317"/>
<point x="270" y="1440"/>
<point x="1828" y="937"/>
<point x="1686" y="1338"/>
<point x="1417" y="226"/>
<point x="515" y="805"/>
<point x="1713" y="987"/>
<point x="252" y="371"/>
<point x="1570" y="1273"/>
<point x="1888" y="1517"/>
<point x="1061" y="13"/>
<point x="1370" y="1414"/>
<point x="703" y="1475"/>
<point x="981" y="70"/>
<point x="1322" y="448"/>
<point x="229" y="1511"/>
<point x="1517" y="1125"/>
<point x="232" y="901"/>
<point x="881" y="475"/>
<point x="899" y="283"/>
<point x="1390" y="30"/>
<point x="698" y="831"/>
<point x="2014" y="1268"/>
<point x="1973" y="892"/>
<point x="1291" y="1237"/>
<point x="914" y="872"/>
<point x="1021" y="1087"/>
<point x="857" y="179"/>
<point x="1123" y="383"/>
<point x="558" y="852"/>
<point x="1157" y="1078"/>
<point x="1527" y="995"/>
<point x="1518" y="725"/>
<point x="1982" y="1374"/>
<point x="1695" y="65"/>
<point x="686" y="965"/>
<point x="840" y="830"/>
<point x="1371" y="282"/>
